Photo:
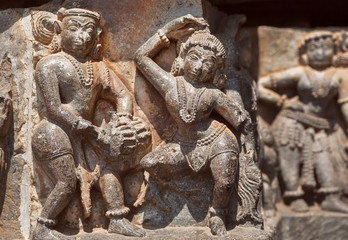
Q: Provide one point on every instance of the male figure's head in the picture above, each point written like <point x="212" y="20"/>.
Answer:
<point x="79" y="30"/>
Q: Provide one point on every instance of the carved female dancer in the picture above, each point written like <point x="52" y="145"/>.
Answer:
<point x="191" y="93"/>
<point x="302" y="128"/>
<point x="70" y="84"/>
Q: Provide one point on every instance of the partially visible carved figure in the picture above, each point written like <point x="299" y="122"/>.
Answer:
<point x="241" y="87"/>
<point x="306" y="121"/>
<point x="269" y="168"/>
<point x="341" y="58"/>
<point x="72" y="87"/>
<point x="5" y="124"/>
<point x="192" y="92"/>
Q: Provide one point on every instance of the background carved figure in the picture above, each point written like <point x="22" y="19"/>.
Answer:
<point x="192" y="93"/>
<point x="303" y="128"/>
<point x="5" y="126"/>
<point x="269" y="168"/>
<point x="86" y="122"/>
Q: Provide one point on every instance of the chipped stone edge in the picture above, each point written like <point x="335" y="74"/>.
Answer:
<point x="27" y="60"/>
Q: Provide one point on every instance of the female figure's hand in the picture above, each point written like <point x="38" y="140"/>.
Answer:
<point x="176" y="28"/>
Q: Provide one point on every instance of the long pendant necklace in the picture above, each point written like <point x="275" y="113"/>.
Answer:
<point x="86" y="82"/>
<point x="188" y="111"/>
<point x="319" y="83"/>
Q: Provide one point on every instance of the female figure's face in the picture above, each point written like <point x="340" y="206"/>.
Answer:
<point x="79" y="34"/>
<point x="320" y="52"/>
<point x="200" y="64"/>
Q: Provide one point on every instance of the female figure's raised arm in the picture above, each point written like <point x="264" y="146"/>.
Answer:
<point x="159" y="78"/>
<point x="278" y="80"/>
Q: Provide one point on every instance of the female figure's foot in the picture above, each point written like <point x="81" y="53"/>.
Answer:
<point x="334" y="204"/>
<point x="217" y="226"/>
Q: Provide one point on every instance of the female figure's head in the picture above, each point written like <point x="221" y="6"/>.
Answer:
<point x="201" y="59"/>
<point x="317" y="49"/>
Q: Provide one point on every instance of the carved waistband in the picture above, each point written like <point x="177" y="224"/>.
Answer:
<point x="204" y="141"/>
<point x="313" y="121"/>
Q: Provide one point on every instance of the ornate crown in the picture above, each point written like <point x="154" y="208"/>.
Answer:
<point x="205" y="40"/>
<point x="62" y="13"/>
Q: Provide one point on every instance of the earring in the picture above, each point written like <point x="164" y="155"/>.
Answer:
<point x="55" y="44"/>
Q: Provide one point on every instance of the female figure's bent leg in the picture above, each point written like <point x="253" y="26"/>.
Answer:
<point x="224" y="165"/>
<point x="224" y="168"/>
<point x="162" y="164"/>
<point x="165" y="162"/>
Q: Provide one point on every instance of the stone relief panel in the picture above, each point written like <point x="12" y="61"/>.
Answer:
<point x="98" y="146"/>
<point x="308" y="131"/>
<point x="88" y="143"/>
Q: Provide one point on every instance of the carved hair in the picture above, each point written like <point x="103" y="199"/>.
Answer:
<point x="302" y="46"/>
<point x="42" y="24"/>
<point x="207" y="41"/>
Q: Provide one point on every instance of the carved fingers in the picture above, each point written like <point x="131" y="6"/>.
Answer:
<point x="174" y="29"/>
<point x="129" y="139"/>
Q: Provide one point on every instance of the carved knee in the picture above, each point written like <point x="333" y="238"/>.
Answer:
<point x="149" y="161"/>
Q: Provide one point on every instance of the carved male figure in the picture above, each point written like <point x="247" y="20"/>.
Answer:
<point x="191" y="93"/>
<point x="70" y="83"/>
<point x="303" y="127"/>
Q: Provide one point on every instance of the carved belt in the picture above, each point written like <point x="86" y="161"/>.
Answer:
<point x="313" y="121"/>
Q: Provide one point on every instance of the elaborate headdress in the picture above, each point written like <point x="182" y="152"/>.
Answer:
<point x="205" y="40"/>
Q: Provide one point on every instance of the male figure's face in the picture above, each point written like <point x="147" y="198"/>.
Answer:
<point x="79" y="34"/>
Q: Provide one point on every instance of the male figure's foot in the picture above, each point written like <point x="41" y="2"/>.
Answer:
<point x="124" y="227"/>
<point x="42" y="232"/>
<point x="217" y="226"/>
<point x="299" y="205"/>
<point x="334" y="204"/>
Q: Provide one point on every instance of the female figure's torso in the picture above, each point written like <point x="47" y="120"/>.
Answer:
<point x="317" y="89"/>
<point x="200" y="127"/>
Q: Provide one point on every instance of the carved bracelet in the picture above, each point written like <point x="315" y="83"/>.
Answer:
<point x="125" y="114"/>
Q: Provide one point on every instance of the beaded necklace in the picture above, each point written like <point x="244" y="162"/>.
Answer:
<point x="86" y="82"/>
<point x="188" y="111"/>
